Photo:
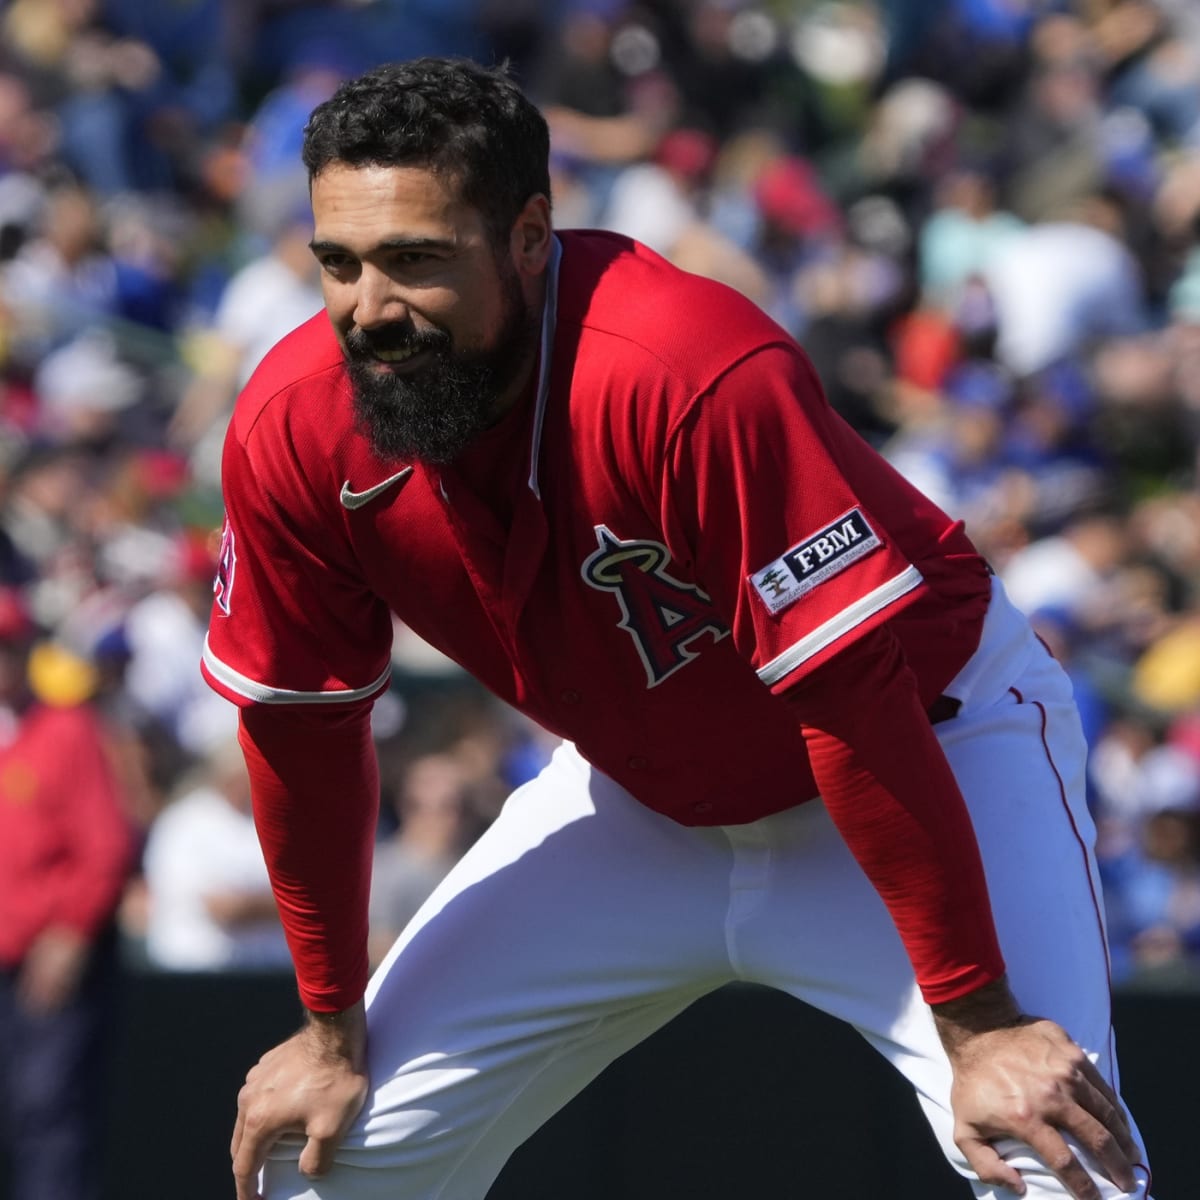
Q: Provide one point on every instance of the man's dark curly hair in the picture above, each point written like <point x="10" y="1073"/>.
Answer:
<point x="469" y="122"/>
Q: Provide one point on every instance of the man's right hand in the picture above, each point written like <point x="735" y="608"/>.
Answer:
<point x="313" y="1084"/>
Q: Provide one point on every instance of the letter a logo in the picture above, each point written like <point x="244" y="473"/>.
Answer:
<point x="226" y="566"/>
<point x="662" y="614"/>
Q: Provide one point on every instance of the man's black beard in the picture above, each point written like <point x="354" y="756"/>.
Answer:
<point x="434" y="414"/>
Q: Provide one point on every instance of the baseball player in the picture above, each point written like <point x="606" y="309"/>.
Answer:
<point x="806" y="739"/>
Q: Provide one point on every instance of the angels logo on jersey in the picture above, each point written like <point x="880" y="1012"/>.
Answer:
<point x="226" y="562"/>
<point x="662" y="614"/>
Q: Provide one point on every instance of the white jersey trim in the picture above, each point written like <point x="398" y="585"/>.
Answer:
<point x="836" y="627"/>
<point x="549" y="320"/>
<point x="261" y="693"/>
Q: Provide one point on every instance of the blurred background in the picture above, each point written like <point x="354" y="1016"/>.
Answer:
<point x="980" y="217"/>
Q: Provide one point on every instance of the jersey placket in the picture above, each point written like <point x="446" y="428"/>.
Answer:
<point x="501" y="563"/>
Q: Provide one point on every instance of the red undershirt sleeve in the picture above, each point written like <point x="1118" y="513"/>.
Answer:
<point x="894" y="799"/>
<point x="314" y="780"/>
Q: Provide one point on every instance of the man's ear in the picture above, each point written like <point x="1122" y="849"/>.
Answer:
<point x="529" y="242"/>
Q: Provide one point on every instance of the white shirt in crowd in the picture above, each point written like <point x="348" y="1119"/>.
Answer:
<point x="202" y="845"/>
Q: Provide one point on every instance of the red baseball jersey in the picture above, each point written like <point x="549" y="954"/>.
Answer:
<point x="672" y="530"/>
<point x="669" y="532"/>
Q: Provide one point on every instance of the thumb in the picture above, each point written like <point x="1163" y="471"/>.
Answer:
<point x="317" y="1156"/>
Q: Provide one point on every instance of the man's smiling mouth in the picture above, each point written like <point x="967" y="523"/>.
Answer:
<point x="397" y="356"/>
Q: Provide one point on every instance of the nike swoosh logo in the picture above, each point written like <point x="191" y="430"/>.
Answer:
<point x="354" y="500"/>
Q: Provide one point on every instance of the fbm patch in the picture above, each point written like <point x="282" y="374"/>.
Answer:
<point x="815" y="560"/>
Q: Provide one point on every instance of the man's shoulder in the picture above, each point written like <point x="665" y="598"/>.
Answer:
<point x="620" y="292"/>
<point x="298" y="379"/>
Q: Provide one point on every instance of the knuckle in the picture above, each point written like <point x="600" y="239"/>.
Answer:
<point x="1075" y="1055"/>
<point x="1023" y="1114"/>
<point x="1051" y="1097"/>
<point x="254" y="1125"/>
<point x="1060" y="1161"/>
<point x="1077" y="1078"/>
<point x="322" y="1129"/>
<point x="994" y="1173"/>
<point x="966" y="1139"/>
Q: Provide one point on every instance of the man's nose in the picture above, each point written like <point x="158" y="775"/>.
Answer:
<point x="377" y="301"/>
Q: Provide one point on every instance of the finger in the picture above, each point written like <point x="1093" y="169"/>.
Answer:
<point x="317" y="1156"/>
<point x="1110" y="1111"/>
<point x="246" y="1184"/>
<point x="1050" y="1146"/>
<point x="1091" y="1073"/>
<point x="983" y="1159"/>
<point x="1093" y="1093"/>
<point x="251" y="1155"/>
<point x="238" y="1127"/>
<point x="1096" y="1136"/>
<point x="247" y="1189"/>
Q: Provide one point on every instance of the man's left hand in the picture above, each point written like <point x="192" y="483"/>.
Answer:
<point x="1030" y="1081"/>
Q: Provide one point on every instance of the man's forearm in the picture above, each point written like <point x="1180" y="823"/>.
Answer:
<point x="893" y="796"/>
<point x="315" y="788"/>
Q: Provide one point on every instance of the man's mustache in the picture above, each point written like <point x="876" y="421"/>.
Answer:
<point x="363" y="344"/>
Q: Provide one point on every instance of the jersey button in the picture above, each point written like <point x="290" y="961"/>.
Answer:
<point x="570" y="696"/>
<point x="637" y="763"/>
<point x="701" y="807"/>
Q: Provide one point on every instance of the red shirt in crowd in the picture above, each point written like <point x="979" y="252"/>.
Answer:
<point x="65" y="843"/>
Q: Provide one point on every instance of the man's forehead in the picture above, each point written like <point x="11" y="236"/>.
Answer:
<point x="405" y="182"/>
<point x="383" y="203"/>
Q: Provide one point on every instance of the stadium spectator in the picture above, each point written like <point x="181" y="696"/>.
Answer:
<point x="66" y="848"/>
<point x="62" y="281"/>
<point x="265" y="298"/>
<point x="1153" y="885"/>
<point x="164" y="631"/>
<point x="208" y="900"/>
<point x="433" y="813"/>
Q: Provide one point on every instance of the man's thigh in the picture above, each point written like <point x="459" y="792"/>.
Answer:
<point x="1024" y="780"/>
<point x="823" y="934"/>
<point x="576" y="926"/>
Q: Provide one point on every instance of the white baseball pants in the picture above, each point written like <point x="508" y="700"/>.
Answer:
<point x="582" y="922"/>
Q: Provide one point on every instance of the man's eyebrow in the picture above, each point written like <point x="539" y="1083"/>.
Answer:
<point x="396" y="243"/>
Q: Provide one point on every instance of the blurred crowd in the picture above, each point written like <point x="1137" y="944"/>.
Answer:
<point x="980" y="217"/>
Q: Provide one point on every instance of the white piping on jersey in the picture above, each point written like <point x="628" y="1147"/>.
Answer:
<point x="835" y="627"/>
<point x="243" y="685"/>
<point x="549" y="316"/>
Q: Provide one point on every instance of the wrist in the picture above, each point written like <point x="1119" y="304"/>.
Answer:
<point x="341" y="1034"/>
<point x="983" y="1010"/>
